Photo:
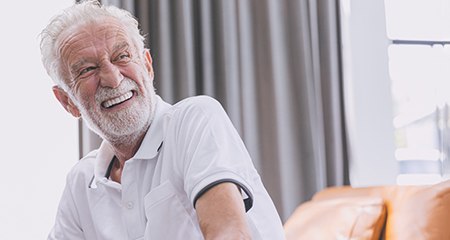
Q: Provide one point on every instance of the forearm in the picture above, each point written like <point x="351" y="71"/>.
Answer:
<point x="221" y="214"/>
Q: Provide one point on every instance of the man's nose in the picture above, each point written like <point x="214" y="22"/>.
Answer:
<point x="110" y="75"/>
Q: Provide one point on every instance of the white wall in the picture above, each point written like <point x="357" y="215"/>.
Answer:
<point x="38" y="140"/>
<point x="368" y="93"/>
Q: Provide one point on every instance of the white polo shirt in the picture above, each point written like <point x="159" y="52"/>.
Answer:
<point x="189" y="148"/>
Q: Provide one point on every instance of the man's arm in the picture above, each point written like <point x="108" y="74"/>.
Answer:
<point x="221" y="213"/>
<point x="66" y="224"/>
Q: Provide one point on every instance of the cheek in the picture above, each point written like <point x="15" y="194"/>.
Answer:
<point x="136" y="73"/>
<point x="85" y="91"/>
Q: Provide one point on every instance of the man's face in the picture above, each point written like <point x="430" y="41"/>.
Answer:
<point x="109" y="81"/>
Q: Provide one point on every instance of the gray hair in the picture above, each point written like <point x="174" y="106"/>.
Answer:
<point x="78" y="14"/>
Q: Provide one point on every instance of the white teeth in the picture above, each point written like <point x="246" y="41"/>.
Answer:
<point x="117" y="100"/>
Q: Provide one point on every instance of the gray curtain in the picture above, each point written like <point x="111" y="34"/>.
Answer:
<point x="275" y="67"/>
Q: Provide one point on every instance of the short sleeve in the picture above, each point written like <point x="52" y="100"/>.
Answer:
<point x="212" y="151"/>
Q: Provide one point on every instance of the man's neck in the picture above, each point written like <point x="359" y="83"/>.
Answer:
<point x="125" y="147"/>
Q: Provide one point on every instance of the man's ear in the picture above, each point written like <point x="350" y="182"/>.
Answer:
<point x="65" y="101"/>
<point x="148" y="62"/>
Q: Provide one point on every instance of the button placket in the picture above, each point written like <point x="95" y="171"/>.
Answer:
<point x="129" y="205"/>
<point x="130" y="202"/>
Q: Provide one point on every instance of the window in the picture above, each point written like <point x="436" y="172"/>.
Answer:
<point x="419" y="66"/>
<point x="396" y="58"/>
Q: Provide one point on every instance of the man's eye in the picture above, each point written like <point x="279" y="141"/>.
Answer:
<point x="86" y="70"/>
<point x="123" y="57"/>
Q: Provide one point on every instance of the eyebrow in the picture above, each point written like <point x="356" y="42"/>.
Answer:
<point x="77" y="65"/>
<point x="120" y="46"/>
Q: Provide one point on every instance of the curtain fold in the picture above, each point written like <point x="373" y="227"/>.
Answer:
<point x="275" y="67"/>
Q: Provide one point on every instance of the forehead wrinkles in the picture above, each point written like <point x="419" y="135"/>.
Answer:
<point x="72" y="44"/>
<point x="94" y="35"/>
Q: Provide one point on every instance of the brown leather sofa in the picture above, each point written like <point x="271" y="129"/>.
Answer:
<point x="373" y="213"/>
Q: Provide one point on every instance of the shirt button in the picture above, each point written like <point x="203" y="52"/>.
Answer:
<point x="129" y="205"/>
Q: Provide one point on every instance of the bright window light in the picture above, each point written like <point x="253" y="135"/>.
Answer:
<point x="404" y="154"/>
<point x="418" y="19"/>
<point x="418" y="179"/>
<point x="419" y="60"/>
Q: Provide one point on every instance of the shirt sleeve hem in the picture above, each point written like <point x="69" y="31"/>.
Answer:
<point x="209" y="182"/>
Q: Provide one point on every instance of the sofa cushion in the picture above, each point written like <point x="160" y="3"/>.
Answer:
<point x="359" y="218"/>
<point x="413" y="212"/>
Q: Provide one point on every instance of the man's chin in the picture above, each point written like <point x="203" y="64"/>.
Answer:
<point x="121" y="131"/>
<point x="125" y="123"/>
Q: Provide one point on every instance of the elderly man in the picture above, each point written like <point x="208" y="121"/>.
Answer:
<point x="162" y="171"/>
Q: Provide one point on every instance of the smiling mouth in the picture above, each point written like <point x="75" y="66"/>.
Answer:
<point x="117" y="100"/>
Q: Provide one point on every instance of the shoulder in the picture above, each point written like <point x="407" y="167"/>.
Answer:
<point x="203" y="105"/>
<point x="83" y="170"/>
<point x="193" y="120"/>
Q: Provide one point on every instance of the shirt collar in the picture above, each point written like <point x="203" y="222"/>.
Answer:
<point x="149" y="147"/>
<point x="154" y="137"/>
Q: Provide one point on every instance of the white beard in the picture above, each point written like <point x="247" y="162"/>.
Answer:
<point x="126" y="124"/>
